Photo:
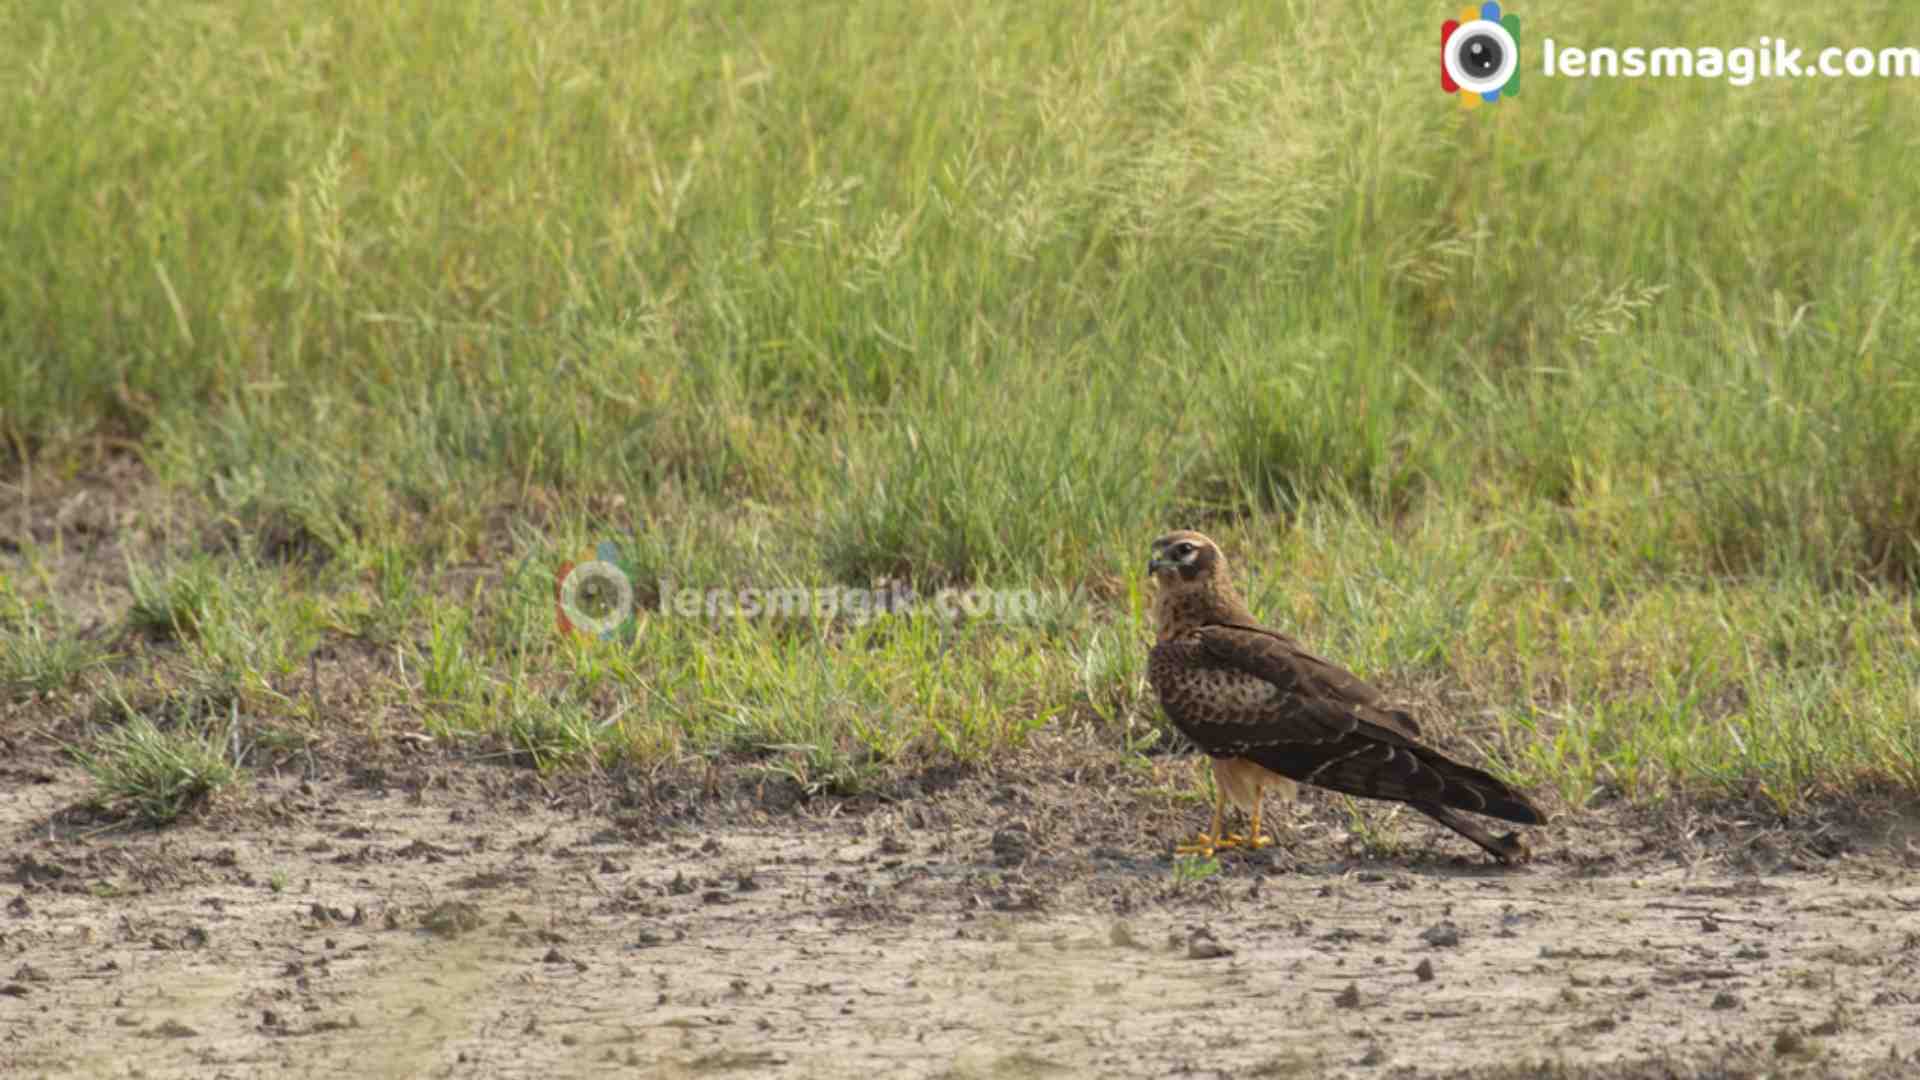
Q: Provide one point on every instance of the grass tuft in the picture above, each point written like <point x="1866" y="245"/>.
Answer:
<point x="37" y="656"/>
<point x="156" y="774"/>
<point x="177" y="604"/>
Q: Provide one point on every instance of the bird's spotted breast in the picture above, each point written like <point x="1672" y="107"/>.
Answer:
<point x="1194" y="689"/>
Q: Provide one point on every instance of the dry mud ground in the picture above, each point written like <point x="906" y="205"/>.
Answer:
<point x="468" y="921"/>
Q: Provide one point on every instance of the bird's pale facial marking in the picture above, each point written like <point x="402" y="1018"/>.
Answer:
<point x="1184" y="556"/>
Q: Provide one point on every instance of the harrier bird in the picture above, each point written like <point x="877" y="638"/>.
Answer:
<point x="1271" y="713"/>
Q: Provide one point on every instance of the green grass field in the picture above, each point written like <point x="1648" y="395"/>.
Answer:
<point x="1590" y="421"/>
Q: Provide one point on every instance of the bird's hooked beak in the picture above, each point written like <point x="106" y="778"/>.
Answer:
<point x="1157" y="564"/>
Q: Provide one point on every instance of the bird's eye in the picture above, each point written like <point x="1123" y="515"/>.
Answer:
<point x="1183" y="549"/>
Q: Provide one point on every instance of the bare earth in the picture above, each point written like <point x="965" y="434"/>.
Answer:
<point x="470" y="922"/>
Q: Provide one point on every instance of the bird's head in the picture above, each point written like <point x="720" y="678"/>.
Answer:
<point x="1184" y="557"/>
<point x="1194" y="588"/>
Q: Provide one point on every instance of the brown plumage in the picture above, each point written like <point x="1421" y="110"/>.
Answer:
<point x="1271" y="713"/>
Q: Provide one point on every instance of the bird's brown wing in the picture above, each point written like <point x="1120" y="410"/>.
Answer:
<point x="1271" y="654"/>
<point x="1244" y="691"/>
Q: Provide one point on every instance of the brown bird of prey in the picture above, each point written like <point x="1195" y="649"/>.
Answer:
<point x="1270" y="713"/>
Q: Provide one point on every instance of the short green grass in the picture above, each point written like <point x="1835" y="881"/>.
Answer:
<point x="1591" y="420"/>
<point x="153" y="773"/>
<point x="38" y="657"/>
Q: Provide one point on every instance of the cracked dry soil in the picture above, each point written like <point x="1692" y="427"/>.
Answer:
<point x="472" y="928"/>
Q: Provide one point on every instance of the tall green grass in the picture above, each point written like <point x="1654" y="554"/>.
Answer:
<point x="989" y="294"/>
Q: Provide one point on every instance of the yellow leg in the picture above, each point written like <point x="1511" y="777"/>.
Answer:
<point x="1206" y="843"/>
<point x="1254" y="838"/>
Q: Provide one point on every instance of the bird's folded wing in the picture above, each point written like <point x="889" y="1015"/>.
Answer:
<point x="1256" y="695"/>
<point x="1325" y="702"/>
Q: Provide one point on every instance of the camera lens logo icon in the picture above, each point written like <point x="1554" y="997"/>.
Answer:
<point x="594" y="595"/>
<point x="1480" y="55"/>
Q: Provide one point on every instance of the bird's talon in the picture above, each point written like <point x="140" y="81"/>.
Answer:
<point x="1204" y="845"/>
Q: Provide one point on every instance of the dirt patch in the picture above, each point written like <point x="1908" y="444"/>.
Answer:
<point x="463" y="922"/>
<point x="83" y="529"/>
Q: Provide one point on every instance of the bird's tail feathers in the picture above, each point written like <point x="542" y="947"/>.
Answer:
<point x="1508" y="849"/>
<point x="1414" y="775"/>
<point x="1468" y="788"/>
